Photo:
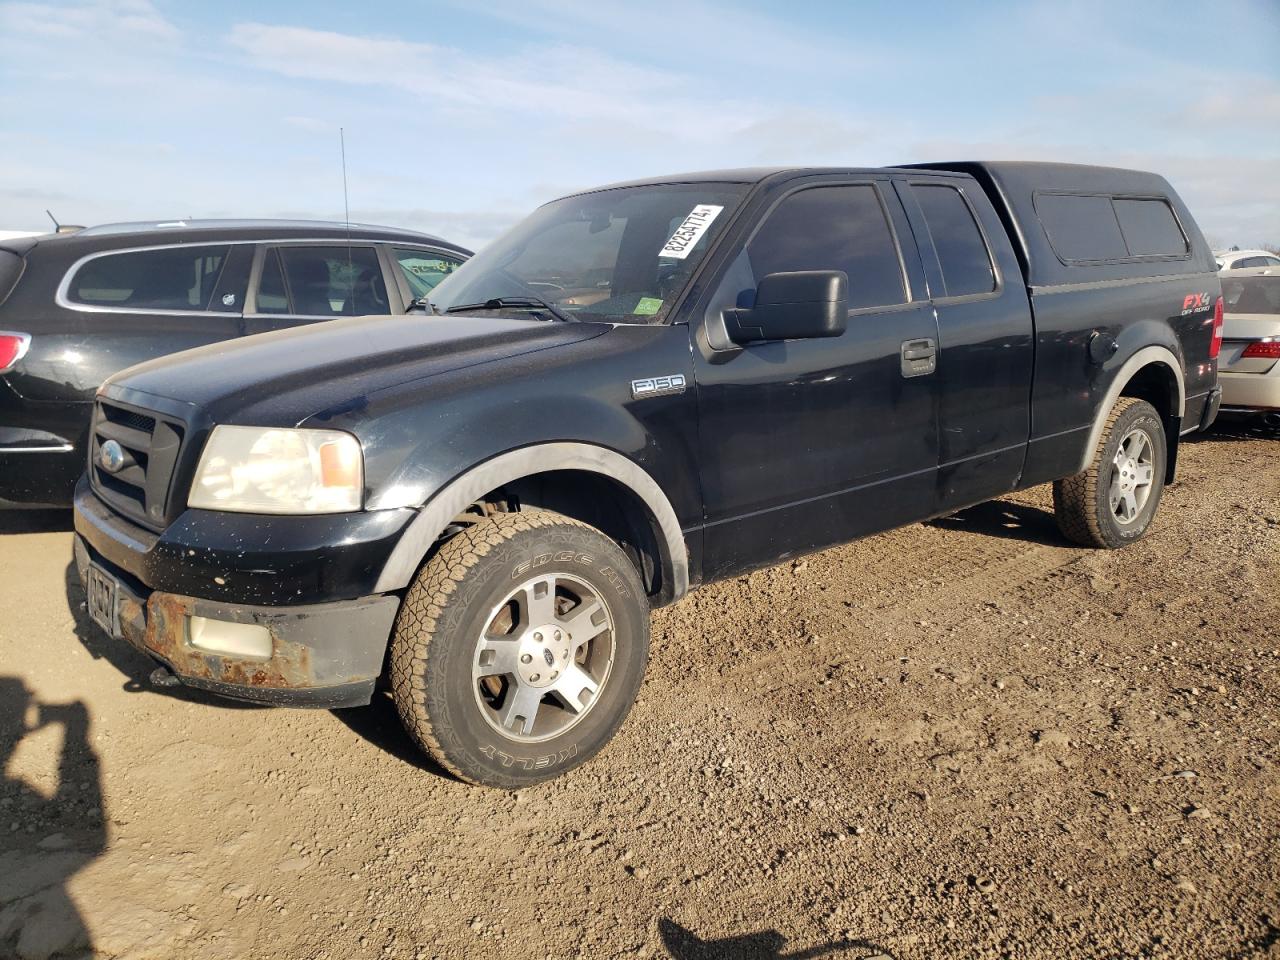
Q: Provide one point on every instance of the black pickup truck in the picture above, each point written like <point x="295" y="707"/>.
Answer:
<point x="637" y="390"/>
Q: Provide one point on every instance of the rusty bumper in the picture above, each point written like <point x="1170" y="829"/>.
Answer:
<point x="322" y="655"/>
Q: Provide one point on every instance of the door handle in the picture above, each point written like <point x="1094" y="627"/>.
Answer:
<point x="919" y="357"/>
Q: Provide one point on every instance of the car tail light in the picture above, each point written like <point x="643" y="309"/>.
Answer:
<point x="13" y="347"/>
<point x="1268" y="349"/>
<point x="1215" y="345"/>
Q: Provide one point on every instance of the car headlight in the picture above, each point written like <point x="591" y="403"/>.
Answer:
<point x="268" y="470"/>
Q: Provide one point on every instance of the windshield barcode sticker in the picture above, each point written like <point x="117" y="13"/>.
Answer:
<point x="690" y="232"/>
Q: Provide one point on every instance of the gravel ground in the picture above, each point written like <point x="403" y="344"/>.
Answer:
<point x="964" y="738"/>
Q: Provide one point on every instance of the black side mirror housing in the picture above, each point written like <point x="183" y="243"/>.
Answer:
<point x="799" y="305"/>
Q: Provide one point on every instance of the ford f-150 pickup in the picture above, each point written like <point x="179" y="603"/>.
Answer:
<point x="639" y="389"/>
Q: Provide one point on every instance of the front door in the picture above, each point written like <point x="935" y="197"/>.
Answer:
<point x="805" y="443"/>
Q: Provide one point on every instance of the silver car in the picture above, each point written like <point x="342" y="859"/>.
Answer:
<point x="1247" y="259"/>
<point x="1249" y="364"/>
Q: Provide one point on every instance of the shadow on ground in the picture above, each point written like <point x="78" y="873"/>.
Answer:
<point x="35" y="521"/>
<point x="682" y="944"/>
<point x="64" y="832"/>
<point x="1002" y="518"/>
<point x="1232" y="428"/>
<point x="379" y="723"/>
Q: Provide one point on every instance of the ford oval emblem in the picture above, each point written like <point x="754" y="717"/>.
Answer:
<point x="111" y="456"/>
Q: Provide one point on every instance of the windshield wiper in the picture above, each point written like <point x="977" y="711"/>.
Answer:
<point x="527" y="303"/>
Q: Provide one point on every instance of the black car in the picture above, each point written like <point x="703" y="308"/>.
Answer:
<point x="637" y="390"/>
<point x="75" y="308"/>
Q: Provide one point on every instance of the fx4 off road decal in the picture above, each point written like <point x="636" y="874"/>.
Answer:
<point x="1195" y="302"/>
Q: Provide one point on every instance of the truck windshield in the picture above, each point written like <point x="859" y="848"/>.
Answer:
<point x="619" y="256"/>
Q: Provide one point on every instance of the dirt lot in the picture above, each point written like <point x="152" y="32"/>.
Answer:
<point x="964" y="738"/>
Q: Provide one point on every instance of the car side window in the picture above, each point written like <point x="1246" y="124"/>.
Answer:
<point x="337" y="281"/>
<point x="177" y="279"/>
<point x="1258" y="262"/>
<point x="233" y="281"/>
<point x="272" y="295"/>
<point x="423" y="269"/>
<point x="962" y="252"/>
<point x="833" y="228"/>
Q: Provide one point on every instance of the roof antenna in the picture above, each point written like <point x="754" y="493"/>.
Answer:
<point x="57" y="227"/>
<point x="346" y="213"/>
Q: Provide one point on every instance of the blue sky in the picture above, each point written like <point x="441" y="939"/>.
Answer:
<point x="461" y="116"/>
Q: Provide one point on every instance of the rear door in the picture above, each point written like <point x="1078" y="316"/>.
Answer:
<point x="295" y="284"/>
<point x="120" y="307"/>
<point x="805" y="443"/>
<point x="986" y="338"/>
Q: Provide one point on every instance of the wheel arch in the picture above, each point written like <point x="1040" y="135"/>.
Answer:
<point x="548" y="475"/>
<point x="1154" y="374"/>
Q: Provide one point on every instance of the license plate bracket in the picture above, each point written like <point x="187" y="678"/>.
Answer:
<point x="102" y="592"/>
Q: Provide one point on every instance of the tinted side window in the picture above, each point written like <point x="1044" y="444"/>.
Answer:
<point x="272" y="295"/>
<point x="174" y="278"/>
<point x="833" y="228"/>
<point x="228" y="294"/>
<point x="1081" y="228"/>
<point x="962" y="253"/>
<point x="334" y="281"/>
<point x="1250" y="262"/>
<point x="423" y="269"/>
<point x="1150" y="229"/>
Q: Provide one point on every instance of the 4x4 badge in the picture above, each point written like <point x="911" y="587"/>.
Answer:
<point x="657" y="386"/>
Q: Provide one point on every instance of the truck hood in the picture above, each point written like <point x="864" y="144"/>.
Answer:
<point x="289" y="375"/>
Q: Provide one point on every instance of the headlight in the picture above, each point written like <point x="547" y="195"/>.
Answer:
<point x="264" y="470"/>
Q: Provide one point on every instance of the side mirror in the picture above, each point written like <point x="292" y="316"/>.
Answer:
<point x="793" y="306"/>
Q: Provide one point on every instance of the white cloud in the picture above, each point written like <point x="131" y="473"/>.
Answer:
<point x="697" y="32"/>
<point x="561" y="83"/>
<point x="102" y="19"/>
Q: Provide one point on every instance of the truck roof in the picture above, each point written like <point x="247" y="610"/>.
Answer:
<point x="1013" y="187"/>
<point x="1043" y="173"/>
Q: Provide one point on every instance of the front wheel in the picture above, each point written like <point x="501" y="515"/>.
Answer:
<point x="520" y="648"/>
<point x="1112" y="503"/>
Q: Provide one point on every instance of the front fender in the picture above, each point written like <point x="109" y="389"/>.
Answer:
<point x="454" y="498"/>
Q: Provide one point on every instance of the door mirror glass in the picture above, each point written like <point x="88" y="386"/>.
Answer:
<point x="797" y="305"/>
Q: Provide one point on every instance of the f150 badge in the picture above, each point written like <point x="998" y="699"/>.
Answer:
<point x="657" y="386"/>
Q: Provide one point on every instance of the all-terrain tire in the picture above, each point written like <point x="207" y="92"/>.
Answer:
<point x="445" y="612"/>
<point x="1082" y="502"/>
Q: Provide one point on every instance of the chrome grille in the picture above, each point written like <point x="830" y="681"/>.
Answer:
<point x="139" y="488"/>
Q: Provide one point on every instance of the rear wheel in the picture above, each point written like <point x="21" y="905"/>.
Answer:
<point x="519" y="648"/>
<point x="1113" y="502"/>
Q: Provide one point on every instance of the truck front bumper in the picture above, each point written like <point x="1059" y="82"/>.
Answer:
<point x="320" y="655"/>
<point x="188" y="598"/>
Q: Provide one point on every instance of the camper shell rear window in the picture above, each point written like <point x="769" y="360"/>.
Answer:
<point x="1105" y="228"/>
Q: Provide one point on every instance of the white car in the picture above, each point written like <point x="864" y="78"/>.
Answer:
<point x="1246" y="259"/>
<point x="1249" y="364"/>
